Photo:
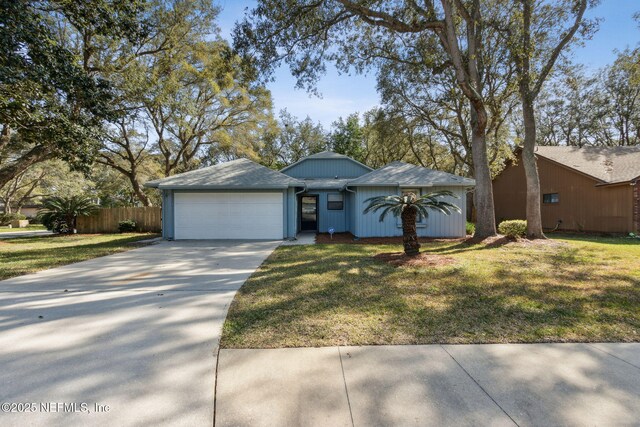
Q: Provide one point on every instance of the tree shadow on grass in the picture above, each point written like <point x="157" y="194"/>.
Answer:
<point x="328" y="297"/>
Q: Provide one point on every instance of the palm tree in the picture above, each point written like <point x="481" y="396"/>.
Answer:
<point x="60" y="213"/>
<point x="407" y="207"/>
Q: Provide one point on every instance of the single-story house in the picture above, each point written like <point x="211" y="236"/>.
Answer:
<point x="241" y="199"/>
<point x="29" y="210"/>
<point x="583" y="189"/>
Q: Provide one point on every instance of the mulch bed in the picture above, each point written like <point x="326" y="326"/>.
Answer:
<point x="490" y="242"/>
<point x="400" y="259"/>
<point x="499" y="240"/>
<point x="324" y="238"/>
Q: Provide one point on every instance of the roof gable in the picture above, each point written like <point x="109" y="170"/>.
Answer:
<point x="606" y="164"/>
<point x="235" y="174"/>
<point x="326" y="164"/>
<point x="405" y="174"/>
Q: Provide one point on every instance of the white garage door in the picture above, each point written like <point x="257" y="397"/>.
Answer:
<point x="228" y="215"/>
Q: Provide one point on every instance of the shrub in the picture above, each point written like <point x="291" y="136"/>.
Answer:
<point x="513" y="228"/>
<point x="34" y="220"/>
<point x="59" y="214"/>
<point x="471" y="228"/>
<point x="5" y="219"/>
<point x="127" y="226"/>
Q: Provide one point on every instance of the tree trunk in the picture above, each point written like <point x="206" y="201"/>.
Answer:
<point x="409" y="231"/>
<point x="483" y="195"/>
<point x="534" y="216"/>
<point x="71" y="223"/>
<point x="137" y="189"/>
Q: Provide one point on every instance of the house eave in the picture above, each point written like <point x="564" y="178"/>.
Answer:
<point x="412" y="184"/>
<point x="224" y="187"/>
<point x="614" y="184"/>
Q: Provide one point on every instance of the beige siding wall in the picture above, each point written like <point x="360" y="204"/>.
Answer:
<point x="636" y="207"/>
<point x="582" y="206"/>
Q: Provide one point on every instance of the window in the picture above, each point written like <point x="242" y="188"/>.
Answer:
<point x="415" y="191"/>
<point x="335" y="201"/>
<point x="550" y="198"/>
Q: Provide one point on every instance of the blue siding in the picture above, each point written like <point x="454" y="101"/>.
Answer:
<point x="369" y="225"/>
<point x="352" y="212"/>
<point x="437" y="225"/>
<point x="167" y="214"/>
<point x="329" y="218"/>
<point x="291" y="223"/>
<point x="326" y="168"/>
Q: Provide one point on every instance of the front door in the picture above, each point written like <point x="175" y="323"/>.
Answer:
<point x="309" y="213"/>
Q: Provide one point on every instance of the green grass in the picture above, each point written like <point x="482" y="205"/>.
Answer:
<point x="580" y="289"/>
<point x="30" y="227"/>
<point x="24" y="255"/>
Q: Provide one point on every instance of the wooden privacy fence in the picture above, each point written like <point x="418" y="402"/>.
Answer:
<point x="148" y="219"/>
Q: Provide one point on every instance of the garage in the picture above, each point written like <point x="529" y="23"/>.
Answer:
<point x="229" y="215"/>
<point x="239" y="199"/>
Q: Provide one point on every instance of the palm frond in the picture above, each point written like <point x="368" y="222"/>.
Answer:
<point x="428" y="202"/>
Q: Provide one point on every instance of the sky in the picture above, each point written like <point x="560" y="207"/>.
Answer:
<point x="344" y="94"/>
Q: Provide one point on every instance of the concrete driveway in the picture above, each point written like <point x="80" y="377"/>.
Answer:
<point x="127" y="339"/>
<point x="32" y="233"/>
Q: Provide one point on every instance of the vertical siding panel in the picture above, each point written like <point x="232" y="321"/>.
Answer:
<point x="583" y="206"/>
<point x="291" y="220"/>
<point x="326" y="168"/>
<point x="438" y="225"/>
<point x="330" y="218"/>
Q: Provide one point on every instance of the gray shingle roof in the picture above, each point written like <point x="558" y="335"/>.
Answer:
<point x="236" y="174"/>
<point x="405" y="174"/>
<point x="607" y="164"/>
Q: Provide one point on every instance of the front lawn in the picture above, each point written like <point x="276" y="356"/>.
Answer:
<point x="570" y="289"/>
<point x="24" y="255"/>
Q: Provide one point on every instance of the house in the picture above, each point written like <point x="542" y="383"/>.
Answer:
<point x="29" y="210"/>
<point x="241" y="199"/>
<point x="584" y="189"/>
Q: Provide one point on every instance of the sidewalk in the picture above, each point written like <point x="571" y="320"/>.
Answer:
<point x="26" y="233"/>
<point x="488" y="385"/>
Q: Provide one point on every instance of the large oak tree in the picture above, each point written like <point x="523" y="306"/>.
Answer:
<point x="537" y="34"/>
<point x="308" y="34"/>
<point x="50" y="105"/>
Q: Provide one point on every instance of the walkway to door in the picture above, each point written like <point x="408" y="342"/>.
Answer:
<point x="303" y="238"/>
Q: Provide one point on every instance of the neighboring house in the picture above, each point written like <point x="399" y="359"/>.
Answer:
<point x="241" y="199"/>
<point x="29" y="210"/>
<point x="584" y="189"/>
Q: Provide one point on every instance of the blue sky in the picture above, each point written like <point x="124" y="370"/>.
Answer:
<point x="345" y="94"/>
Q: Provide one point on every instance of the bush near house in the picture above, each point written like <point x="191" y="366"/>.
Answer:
<point x="127" y="226"/>
<point x="6" y="218"/>
<point x="59" y="214"/>
<point x="513" y="228"/>
<point x="471" y="228"/>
